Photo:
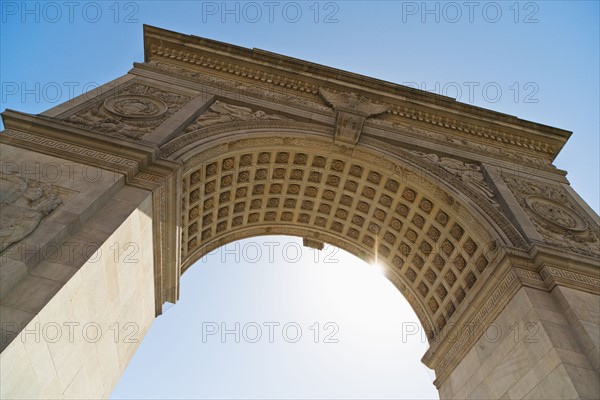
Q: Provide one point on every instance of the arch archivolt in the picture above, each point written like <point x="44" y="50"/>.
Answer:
<point x="365" y="201"/>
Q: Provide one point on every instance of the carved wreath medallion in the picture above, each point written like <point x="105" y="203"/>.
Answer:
<point x="136" y="106"/>
<point x="556" y="214"/>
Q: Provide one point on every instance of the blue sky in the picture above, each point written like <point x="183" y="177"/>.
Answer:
<point x="536" y="60"/>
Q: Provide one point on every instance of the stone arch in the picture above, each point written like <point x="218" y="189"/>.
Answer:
<point x="432" y="188"/>
<point x="373" y="204"/>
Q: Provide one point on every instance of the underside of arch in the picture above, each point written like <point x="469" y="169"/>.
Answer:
<point x="364" y="202"/>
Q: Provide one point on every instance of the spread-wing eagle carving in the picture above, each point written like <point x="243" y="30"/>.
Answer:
<point x="352" y="102"/>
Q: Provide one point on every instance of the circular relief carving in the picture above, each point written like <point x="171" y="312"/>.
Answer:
<point x="374" y="177"/>
<point x="324" y="208"/>
<point x="210" y="187"/>
<point x="328" y="195"/>
<point x="409" y="195"/>
<point x="556" y="214"/>
<point x="350" y="185"/>
<point x="211" y="169"/>
<point x="264" y="158"/>
<point x="195" y="178"/>
<point x="333" y="180"/>
<point x="246" y="159"/>
<point x="194" y="212"/>
<point x="398" y="261"/>
<point x="337" y="165"/>
<point x="226" y="180"/>
<point x="290" y="203"/>
<point x="296" y="174"/>
<point x="261" y="174"/>
<point x="293" y="189"/>
<point x="311" y="191"/>
<point x="300" y="158"/>
<point x="307" y="205"/>
<point x="319" y="162"/>
<point x="228" y="163"/>
<point x="276" y="188"/>
<point x="385" y="200"/>
<point x="243" y="176"/>
<point x="374" y="228"/>
<point x="356" y="171"/>
<point x="136" y="106"/>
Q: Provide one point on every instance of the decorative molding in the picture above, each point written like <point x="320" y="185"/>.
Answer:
<point x="84" y="155"/>
<point x="280" y="94"/>
<point x="529" y="162"/>
<point x="553" y="276"/>
<point x="166" y="53"/>
<point x="199" y="136"/>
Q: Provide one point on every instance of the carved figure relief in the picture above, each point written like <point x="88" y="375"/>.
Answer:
<point x="220" y="113"/>
<point x="469" y="173"/>
<point x="131" y="112"/>
<point x="23" y="205"/>
<point x="554" y="216"/>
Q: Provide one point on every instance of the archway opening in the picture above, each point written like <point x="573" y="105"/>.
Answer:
<point x="268" y="317"/>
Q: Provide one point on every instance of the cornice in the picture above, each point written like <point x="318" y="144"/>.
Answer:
<point x="304" y="78"/>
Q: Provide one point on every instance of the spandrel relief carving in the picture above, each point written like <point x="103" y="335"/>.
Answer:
<point x="220" y="113"/>
<point x="469" y="173"/>
<point x="23" y="204"/>
<point x="130" y="112"/>
<point x="555" y="216"/>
